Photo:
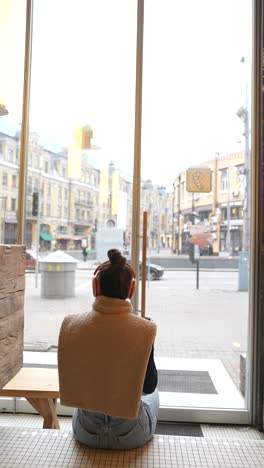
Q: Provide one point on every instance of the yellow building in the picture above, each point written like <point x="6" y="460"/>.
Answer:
<point x="68" y="207"/>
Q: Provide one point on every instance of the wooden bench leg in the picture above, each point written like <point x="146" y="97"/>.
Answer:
<point x="47" y="408"/>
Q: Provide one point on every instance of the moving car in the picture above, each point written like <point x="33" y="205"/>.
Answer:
<point x="30" y="260"/>
<point x="154" y="272"/>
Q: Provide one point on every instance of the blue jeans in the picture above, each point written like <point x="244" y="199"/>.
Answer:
<point x="106" y="432"/>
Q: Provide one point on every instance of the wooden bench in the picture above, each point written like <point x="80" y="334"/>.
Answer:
<point x="40" y="386"/>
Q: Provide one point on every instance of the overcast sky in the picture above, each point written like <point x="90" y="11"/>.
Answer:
<point x="84" y="72"/>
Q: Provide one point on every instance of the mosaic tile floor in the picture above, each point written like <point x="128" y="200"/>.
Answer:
<point x="24" y="444"/>
<point x="26" y="447"/>
<point x="209" y="430"/>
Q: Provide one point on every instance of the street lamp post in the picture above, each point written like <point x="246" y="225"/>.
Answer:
<point x="242" y="113"/>
<point x="228" y="214"/>
<point x="179" y="244"/>
<point x="243" y="280"/>
<point x="173" y="244"/>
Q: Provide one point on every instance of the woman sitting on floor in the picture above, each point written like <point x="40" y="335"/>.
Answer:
<point x="106" y="364"/>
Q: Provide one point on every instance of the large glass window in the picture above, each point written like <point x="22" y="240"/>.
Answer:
<point x="12" y="40"/>
<point x="196" y="114"/>
<point x="81" y="146"/>
<point x="196" y="108"/>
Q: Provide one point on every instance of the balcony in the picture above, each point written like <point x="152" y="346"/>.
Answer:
<point x="83" y="222"/>
<point x="84" y="203"/>
<point x="11" y="216"/>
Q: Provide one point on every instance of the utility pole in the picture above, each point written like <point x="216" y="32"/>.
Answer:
<point x="247" y="198"/>
<point x="228" y="214"/>
<point x="36" y="212"/>
<point x="173" y="238"/>
<point x="244" y="256"/>
<point x="179" y="244"/>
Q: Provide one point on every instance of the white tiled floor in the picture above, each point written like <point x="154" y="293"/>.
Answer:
<point x="24" y="444"/>
<point x="209" y="430"/>
<point x="27" y="447"/>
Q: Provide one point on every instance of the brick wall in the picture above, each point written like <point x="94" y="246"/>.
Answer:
<point x="12" y="286"/>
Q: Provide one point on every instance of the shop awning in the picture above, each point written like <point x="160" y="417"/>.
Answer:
<point x="46" y="236"/>
<point x="68" y="237"/>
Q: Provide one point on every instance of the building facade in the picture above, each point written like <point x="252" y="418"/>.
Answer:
<point x="220" y="211"/>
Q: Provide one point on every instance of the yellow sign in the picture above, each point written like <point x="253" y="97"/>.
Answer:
<point x="199" y="180"/>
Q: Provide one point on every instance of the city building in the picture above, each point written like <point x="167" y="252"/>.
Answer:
<point x="76" y="196"/>
<point x="220" y="211"/>
<point x="68" y="207"/>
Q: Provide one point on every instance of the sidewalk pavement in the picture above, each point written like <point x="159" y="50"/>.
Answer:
<point x="87" y="265"/>
<point x="191" y="323"/>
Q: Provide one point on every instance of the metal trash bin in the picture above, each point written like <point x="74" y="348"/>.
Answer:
<point x="243" y="271"/>
<point x="58" y="275"/>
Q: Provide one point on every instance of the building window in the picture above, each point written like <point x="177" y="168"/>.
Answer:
<point x="65" y="193"/>
<point x="83" y="214"/>
<point x="59" y="211"/>
<point x="204" y="215"/>
<point x="237" y="212"/>
<point x="65" y="212"/>
<point x="78" y="214"/>
<point x="62" y="230"/>
<point x="29" y="207"/>
<point x="49" y="190"/>
<point x="78" y="231"/>
<point x="45" y="227"/>
<point x="63" y="172"/>
<point x="13" y="204"/>
<point x="48" y="210"/>
<point x="35" y="161"/>
<point x="224" y="180"/>
<point x="29" y="185"/>
<point x="182" y="189"/>
<point x="240" y="170"/>
<point x="35" y="185"/>
<point x="10" y="155"/>
<point x="46" y="166"/>
<point x="4" y="178"/>
<point x="14" y="181"/>
<point x="224" y="213"/>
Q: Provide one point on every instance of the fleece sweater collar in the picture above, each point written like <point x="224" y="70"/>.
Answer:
<point x="111" y="305"/>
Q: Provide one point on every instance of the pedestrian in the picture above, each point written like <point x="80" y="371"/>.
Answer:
<point x="84" y="254"/>
<point x="106" y="364"/>
<point x="88" y="251"/>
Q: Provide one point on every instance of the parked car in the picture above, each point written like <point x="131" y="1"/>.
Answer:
<point x="154" y="272"/>
<point x="30" y="260"/>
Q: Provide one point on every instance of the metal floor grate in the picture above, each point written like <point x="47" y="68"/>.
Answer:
<point x="179" y="429"/>
<point x="185" y="381"/>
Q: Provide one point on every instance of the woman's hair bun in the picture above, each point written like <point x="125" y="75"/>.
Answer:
<point x="116" y="258"/>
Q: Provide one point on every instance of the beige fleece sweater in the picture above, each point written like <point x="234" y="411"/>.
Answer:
<point x="103" y="357"/>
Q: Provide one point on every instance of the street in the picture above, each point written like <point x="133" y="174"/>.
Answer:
<point x="216" y="314"/>
<point x="207" y="323"/>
